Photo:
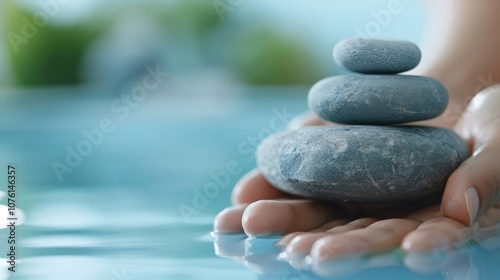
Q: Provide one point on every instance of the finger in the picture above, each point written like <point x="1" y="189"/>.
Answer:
<point x="331" y="225"/>
<point x="305" y="119"/>
<point x="253" y="187"/>
<point x="229" y="219"/>
<point x="489" y="223"/>
<point x="276" y="217"/>
<point x="474" y="187"/>
<point x="429" y="262"/>
<point x="285" y="240"/>
<point x="379" y="236"/>
<point x="480" y="120"/>
<point x="336" y="226"/>
<point x="437" y="234"/>
<point x="354" y="225"/>
<point x="300" y="246"/>
<point x="302" y="243"/>
<point x="490" y="218"/>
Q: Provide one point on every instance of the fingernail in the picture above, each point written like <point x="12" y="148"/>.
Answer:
<point x="472" y="202"/>
<point x="407" y="246"/>
<point x="281" y="243"/>
<point x="431" y="241"/>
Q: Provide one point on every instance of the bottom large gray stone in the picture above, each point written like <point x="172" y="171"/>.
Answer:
<point x="364" y="164"/>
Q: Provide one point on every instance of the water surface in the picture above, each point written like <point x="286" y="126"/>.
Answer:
<point x="117" y="214"/>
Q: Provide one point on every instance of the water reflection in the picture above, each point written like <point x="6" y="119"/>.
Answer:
<point x="4" y="273"/>
<point x="469" y="261"/>
<point x="4" y="215"/>
<point x="76" y="239"/>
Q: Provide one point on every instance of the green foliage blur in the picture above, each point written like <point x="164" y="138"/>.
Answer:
<point x="258" y="55"/>
<point x="44" y="55"/>
<point x="265" y="56"/>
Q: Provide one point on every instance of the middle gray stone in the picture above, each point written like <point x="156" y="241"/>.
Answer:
<point x="378" y="99"/>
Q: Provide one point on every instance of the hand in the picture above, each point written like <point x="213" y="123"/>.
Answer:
<point x="260" y="256"/>
<point x="326" y="232"/>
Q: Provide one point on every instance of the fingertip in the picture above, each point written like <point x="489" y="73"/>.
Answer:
<point x="334" y="247"/>
<point x="299" y="248"/>
<point x="474" y="187"/>
<point x="303" y="243"/>
<point x="285" y="240"/>
<point x="457" y="200"/>
<point x="256" y="220"/>
<point x="323" y="248"/>
<point x="426" y="241"/>
<point x="229" y="219"/>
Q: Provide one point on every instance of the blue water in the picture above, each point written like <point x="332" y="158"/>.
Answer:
<point x="117" y="214"/>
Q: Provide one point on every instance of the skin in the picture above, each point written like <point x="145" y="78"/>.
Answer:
<point x="465" y="58"/>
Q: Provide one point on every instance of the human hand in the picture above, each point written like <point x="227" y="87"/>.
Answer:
<point x="262" y="257"/>
<point x="327" y="232"/>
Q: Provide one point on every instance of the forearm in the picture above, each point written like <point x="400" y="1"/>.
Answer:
<point x="462" y="50"/>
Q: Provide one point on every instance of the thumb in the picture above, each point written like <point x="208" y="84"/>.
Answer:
<point x="475" y="186"/>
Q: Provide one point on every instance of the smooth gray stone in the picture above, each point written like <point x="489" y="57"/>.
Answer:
<point x="362" y="164"/>
<point x="371" y="56"/>
<point x="378" y="99"/>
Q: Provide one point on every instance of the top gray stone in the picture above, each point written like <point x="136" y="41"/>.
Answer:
<point x="371" y="56"/>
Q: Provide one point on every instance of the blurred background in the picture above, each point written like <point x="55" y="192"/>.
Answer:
<point x="74" y="42"/>
<point x="130" y="121"/>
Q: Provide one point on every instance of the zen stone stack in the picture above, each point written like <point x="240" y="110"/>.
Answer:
<point x="372" y="159"/>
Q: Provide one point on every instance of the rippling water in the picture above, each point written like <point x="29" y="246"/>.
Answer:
<point x="117" y="215"/>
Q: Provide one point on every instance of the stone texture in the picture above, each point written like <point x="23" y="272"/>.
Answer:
<point x="378" y="99"/>
<point x="362" y="164"/>
<point x="371" y="56"/>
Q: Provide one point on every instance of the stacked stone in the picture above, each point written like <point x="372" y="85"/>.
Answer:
<point x="371" y="159"/>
